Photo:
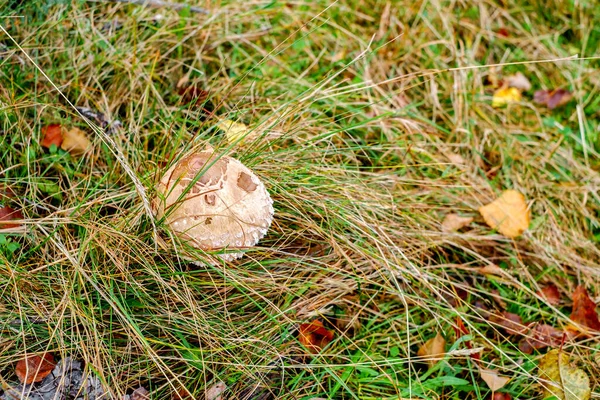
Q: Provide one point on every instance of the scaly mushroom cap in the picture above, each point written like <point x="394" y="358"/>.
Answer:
<point x="227" y="206"/>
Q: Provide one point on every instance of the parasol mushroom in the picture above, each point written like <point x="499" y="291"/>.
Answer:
<point x="214" y="202"/>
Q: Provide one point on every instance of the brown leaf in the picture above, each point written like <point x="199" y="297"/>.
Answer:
<point x="34" y="368"/>
<point x="511" y="323"/>
<point x="314" y="336"/>
<point x="51" y="134"/>
<point x="552" y="98"/>
<point x="75" y="141"/>
<point x="491" y="269"/>
<point x="551" y="294"/>
<point x="508" y="214"/>
<point x="454" y="222"/>
<point x="9" y="214"/>
<point x="433" y="350"/>
<point x="540" y="337"/>
<point x="140" y="393"/>
<point x="215" y="392"/>
<point x="584" y="309"/>
<point x="494" y="381"/>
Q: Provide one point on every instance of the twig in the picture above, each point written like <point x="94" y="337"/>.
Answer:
<point x="159" y="3"/>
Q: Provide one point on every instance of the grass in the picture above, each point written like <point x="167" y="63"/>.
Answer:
<point x="360" y="107"/>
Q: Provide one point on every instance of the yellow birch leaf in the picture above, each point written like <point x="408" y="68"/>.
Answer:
<point x="508" y="214"/>
<point x="505" y="95"/>
<point x="75" y="141"/>
<point x="235" y="131"/>
<point x="561" y="380"/>
<point x="433" y="350"/>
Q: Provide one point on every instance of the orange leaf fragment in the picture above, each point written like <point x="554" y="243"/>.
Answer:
<point x="51" y="134"/>
<point x="584" y="309"/>
<point x="34" y="368"/>
<point x="433" y="349"/>
<point x="508" y="214"/>
<point x="9" y="214"/>
<point x="315" y="336"/>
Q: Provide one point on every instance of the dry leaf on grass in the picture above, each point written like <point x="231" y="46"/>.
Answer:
<point x="9" y="214"/>
<point x="315" y="336"/>
<point x="51" y="135"/>
<point x="235" y="131"/>
<point x="454" y="222"/>
<point x="561" y="379"/>
<point x="540" y="337"/>
<point x="75" y="141"/>
<point x="508" y="214"/>
<point x="140" y="393"/>
<point x="551" y="294"/>
<point x="505" y="95"/>
<point x="215" y="391"/>
<point x="552" y="98"/>
<point x="433" y="350"/>
<point x="501" y="396"/>
<point x="34" y="368"/>
<point x="494" y="381"/>
<point x="518" y="81"/>
<point x="511" y="323"/>
<point x="584" y="309"/>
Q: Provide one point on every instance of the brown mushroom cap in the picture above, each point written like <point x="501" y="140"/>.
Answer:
<point x="227" y="206"/>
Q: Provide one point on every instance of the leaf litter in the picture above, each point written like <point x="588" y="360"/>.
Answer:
<point x="561" y="379"/>
<point x="508" y="214"/>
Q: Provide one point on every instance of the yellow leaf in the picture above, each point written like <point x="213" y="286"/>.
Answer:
<point x="235" y="131"/>
<point x="494" y="381"/>
<point x="505" y="95"/>
<point x="562" y="380"/>
<point x="75" y="141"/>
<point x="433" y="350"/>
<point x="453" y="222"/>
<point x="508" y="214"/>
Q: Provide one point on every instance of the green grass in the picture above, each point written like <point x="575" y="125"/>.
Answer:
<point x="358" y="105"/>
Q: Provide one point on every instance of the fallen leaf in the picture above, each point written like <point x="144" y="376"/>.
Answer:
<point x="236" y="132"/>
<point x="454" y="222"/>
<point x="456" y="159"/>
<point x="494" y="381"/>
<point x="34" y="368"/>
<point x="75" y="141"/>
<point x="505" y="95"/>
<point x="562" y="380"/>
<point x="433" y="350"/>
<point x="51" y="134"/>
<point x="501" y="396"/>
<point x="215" y="391"/>
<point x="541" y="336"/>
<point x="315" y="336"/>
<point x="518" y="81"/>
<point x="491" y="269"/>
<point x="508" y="214"/>
<point x="584" y="309"/>
<point x="553" y="98"/>
<point x="551" y="294"/>
<point x="511" y="323"/>
<point x="9" y="214"/>
<point x="140" y="393"/>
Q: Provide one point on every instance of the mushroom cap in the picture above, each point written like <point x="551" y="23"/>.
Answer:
<point x="214" y="203"/>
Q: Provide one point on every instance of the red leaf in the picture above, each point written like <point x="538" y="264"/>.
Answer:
<point x="314" y="336"/>
<point x="551" y="294"/>
<point x="584" y="309"/>
<point x="51" y="134"/>
<point x="501" y="396"/>
<point x="34" y="368"/>
<point x="8" y="214"/>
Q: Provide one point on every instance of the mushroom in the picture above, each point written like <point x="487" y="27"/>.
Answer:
<point x="214" y="202"/>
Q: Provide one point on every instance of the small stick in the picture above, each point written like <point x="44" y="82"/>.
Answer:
<point x="159" y="3"/>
